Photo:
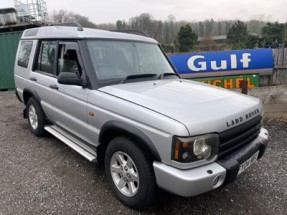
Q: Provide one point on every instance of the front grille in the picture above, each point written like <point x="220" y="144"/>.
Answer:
<point x="235" y="138"/>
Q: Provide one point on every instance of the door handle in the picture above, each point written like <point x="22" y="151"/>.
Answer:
<point x="33" y="79"/>
<point x="54" y="86"/>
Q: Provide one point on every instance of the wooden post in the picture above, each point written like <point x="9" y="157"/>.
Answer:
<point x="244" y="87"/>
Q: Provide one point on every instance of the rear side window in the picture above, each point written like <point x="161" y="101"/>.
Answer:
<point x="47" y="57"/>
<point x="24" y="53"/>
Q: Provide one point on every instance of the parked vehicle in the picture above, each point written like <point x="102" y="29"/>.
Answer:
<point x="116" y="99"/>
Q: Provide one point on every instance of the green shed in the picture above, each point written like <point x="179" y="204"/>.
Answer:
<point x="9" y="39"/>
<point x="8" y="47"/>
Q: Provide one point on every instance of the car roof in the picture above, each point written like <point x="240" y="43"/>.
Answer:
<point x="63" y="32"/>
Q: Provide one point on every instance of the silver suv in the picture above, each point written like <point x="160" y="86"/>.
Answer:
<point x="116" y="99"/>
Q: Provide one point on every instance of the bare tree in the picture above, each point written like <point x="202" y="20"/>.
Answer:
<point x="257" y="23"/>
<point x="207" y="41"/>
<point x="208" y="26"/>
<point x="64" y="16"/>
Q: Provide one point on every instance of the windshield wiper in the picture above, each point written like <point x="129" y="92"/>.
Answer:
<point x="130" y="77"/>
<point x="161" y="76"/>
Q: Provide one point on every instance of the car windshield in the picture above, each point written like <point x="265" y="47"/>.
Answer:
<point x="124" y="59"/>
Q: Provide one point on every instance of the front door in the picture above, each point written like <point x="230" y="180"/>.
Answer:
<point x="64" y="105"/>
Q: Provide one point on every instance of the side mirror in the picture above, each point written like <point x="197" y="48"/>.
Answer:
<point x="69" y="78"/>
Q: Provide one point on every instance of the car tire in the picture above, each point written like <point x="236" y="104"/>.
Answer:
<point x="36" y="117"/>
<point x="130" y="173"/>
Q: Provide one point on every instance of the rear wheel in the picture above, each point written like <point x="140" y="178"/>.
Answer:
<point x="36" y="117"/>
<point x="130" y="173"/>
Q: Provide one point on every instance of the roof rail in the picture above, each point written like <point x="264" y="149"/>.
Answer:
<point x="78" y="25"/>
<point x="137" y="32"/>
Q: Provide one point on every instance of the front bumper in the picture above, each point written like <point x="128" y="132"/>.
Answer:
<point x="211" y="176"/>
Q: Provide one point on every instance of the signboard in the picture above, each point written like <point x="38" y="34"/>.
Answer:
<point x="220" y="63"/>
<point x="231" y="82"/>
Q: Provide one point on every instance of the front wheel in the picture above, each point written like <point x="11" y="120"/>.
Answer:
<point x="130" y="173"/>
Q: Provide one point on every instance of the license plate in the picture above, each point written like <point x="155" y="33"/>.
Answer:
<point x="247" y="163"/>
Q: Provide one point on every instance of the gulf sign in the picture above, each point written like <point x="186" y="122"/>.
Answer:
<point x="221" y="63"/>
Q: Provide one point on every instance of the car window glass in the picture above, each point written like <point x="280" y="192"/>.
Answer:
<point x="24" y="53"/>
<point x="151" y="59"/>
<point x="68" y="58"/>
<point x="119" y="59"/>
<point x="46" y="57"/>
<point x="112" y="59"/>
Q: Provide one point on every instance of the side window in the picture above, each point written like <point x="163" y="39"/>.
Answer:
<point x="24" y="53"/>
<point x="68" y="58"/>
<point x="46" y="57"/>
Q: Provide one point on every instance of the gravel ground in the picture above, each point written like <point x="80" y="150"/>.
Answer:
<point x="44" y="176"/>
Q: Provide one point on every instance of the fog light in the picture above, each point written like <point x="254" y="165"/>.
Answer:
<point x="216" y="180"/>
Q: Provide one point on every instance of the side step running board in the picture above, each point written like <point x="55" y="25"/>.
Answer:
<point x="72" y="142"/>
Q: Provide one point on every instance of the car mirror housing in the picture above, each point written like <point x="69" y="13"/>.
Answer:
<point x="69" y="78"/>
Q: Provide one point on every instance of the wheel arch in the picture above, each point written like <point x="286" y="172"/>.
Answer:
<point x="113" y="129"/>
<point x="27" y="94"/>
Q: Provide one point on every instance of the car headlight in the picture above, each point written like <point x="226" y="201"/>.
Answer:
<point x="201" y="149"/>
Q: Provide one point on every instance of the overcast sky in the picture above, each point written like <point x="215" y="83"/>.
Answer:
<point x="103" y="11"/>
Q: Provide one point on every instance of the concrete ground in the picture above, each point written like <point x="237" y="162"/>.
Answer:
<point x="44" y="176"/>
